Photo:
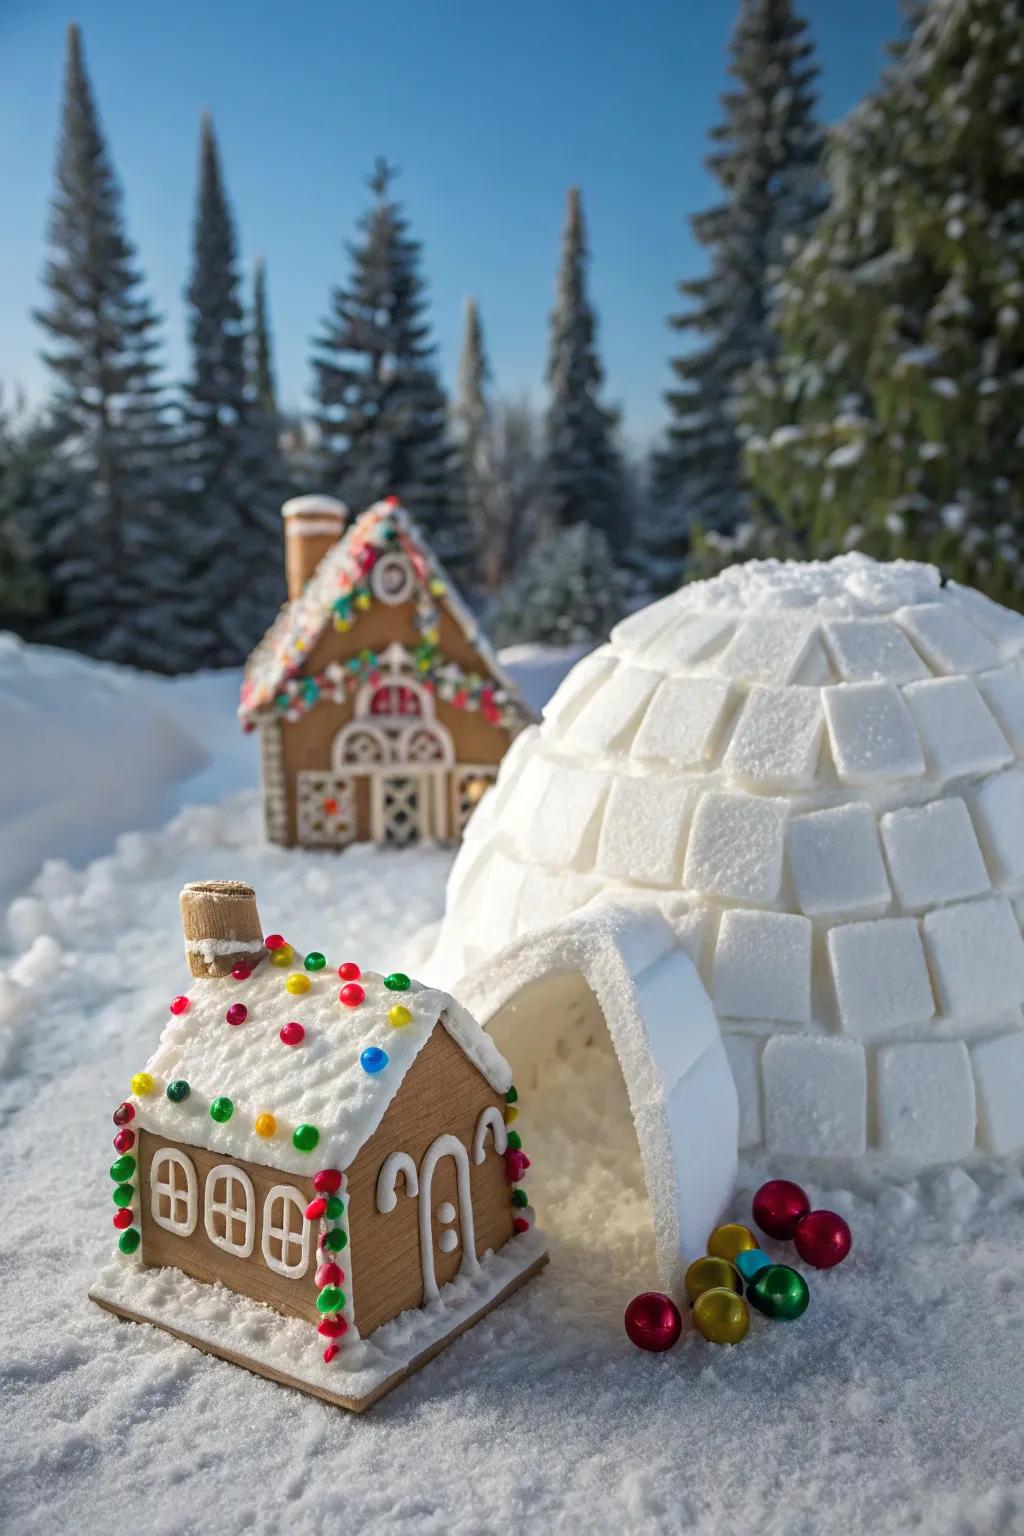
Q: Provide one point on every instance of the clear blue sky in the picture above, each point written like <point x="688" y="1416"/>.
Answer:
<point x="491" y="109"/>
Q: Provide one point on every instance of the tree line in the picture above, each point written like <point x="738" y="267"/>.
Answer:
<point x="850" y="376"/>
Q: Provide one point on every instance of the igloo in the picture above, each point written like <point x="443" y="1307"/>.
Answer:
<point x="777" y="822"/>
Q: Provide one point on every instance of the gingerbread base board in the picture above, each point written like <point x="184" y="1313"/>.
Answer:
<point x="273" y="1346"/>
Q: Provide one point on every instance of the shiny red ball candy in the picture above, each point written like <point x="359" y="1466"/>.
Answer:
<point x="123" y="1218"/>
<point x="292" y="1034"/>
<point x="327" y="1181"/>
<point x="124" y="1114"/>
<point x="778" y="1206"/>
<point x="351" y="994"/>
<point x="653" y="1321"/>
<point x="823" y="1239"/>
<point x="349" y="971"/>
<point x="237" y="1013"/>
<point x="124" y="1141"/>
<point x="179" y="1004"/>
<point x="274" y="941"/>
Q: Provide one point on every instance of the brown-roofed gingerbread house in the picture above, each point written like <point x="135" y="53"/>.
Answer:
<point x="382" y="710"/>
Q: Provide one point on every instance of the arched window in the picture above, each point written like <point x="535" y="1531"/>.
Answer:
<point x="229" y="1209"/>
<point x="286" y="1232"/>
<point x="174" y="1202"/>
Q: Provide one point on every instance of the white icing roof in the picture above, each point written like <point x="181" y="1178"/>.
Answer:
<point x="319" y="1082"/>
<point x="284" y="649"/>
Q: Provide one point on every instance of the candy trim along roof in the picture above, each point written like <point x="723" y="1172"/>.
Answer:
<point x="326" y="1081"/>
<point x="338" y="592"/>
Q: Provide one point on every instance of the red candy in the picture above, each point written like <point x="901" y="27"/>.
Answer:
<point x="292" y="1034"/>
<point x="327" y="1181"/>
<point x="124" y="1114"/>
<point x="237" y="1013"/>
<point x="823" y="1239"/>
<point x="329" y="1274"/>
<point x="332" y="1327"/>
<point x="179" y="1004"/>
<point x="330" y="1352"/>
<point x="351" y="994"/>
<point x="123" y="1218"/>
<point x="653" y="1321"/>
<point x="349" y="971"/>
<point x="315" y="1209"/>
<point x="520" y="1224"/>
<point x="778" y="1206"/>
<point x="124" y="1141"/>
<point x="242" y="971"/>
<point x="274" y="941"/>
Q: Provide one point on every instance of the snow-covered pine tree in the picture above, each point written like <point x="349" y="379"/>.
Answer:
<point x="895" y="423"/>
<point x="474" y="430"/>
<point x="568" y="589"/>
<point x="381" y="415"/>
<point x="233" y="547"/>
<point x="104" y="530"/>
<point x="767" y="161"/>
<point x="582" y="471"/>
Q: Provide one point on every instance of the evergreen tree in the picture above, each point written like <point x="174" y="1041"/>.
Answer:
<point x="381" y="413"/>
<point x="475" y="435"/>
<point x="103" y="530"/>
<point x="582" y="473"/>
<point x="766" y="160"/>
<point x="234" y="473"/>
<point x="264" y="389"/>
<point x="894" y="423"/>
<point x="568" y="590"/>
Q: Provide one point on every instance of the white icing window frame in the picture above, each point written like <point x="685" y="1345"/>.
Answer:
<point x="227" y="1207"/>
<point x="158" y="1187"/>
<point x="288" y="1235"/>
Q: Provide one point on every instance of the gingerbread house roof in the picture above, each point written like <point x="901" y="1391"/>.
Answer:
<point x="339" y="1078"/>
<point x="338" y="592"/>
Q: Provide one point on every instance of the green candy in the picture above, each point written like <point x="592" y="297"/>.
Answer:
<point x="315" y="961"/>
<point x="178" y="1091"/>
<point x="335" y="1208"/>
<point x="515" y="1141"/>
<point x="330" y="1299"/>
<point x="397" y="982"/>
<point x="337" y="1240"/>
<point x="512" y="1097"/>
<point x="124" y="1194"/>
<point x="779" y="1292"/>
<point x="122" y="1168"/>
<point x="520" y="1197"/>
<point x="221" y="1110"/>
<point x="129" y="1240"/>
<point x="305" y="1138"/>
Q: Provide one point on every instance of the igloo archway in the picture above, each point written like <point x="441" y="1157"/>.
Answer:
<point x="812" y="773"/>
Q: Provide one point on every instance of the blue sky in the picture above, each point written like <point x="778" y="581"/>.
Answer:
<point x="490" y="109"/>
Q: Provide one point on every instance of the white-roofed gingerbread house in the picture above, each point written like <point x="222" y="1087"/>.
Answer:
<point x="778" y="820"/>
<point x="333" y="1144"/>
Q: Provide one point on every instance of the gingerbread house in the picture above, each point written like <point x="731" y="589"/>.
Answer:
<point x="317" y="1174"/>
<point x="383" y="712"/>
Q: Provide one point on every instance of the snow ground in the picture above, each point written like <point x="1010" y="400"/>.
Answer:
<point x="894" y="1405"/>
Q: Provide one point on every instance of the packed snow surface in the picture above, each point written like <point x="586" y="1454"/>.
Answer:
<point x="893" y="1405"/>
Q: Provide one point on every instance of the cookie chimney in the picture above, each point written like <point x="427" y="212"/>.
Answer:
<point x="221" y="925"/>
<point x="311" y="525"/>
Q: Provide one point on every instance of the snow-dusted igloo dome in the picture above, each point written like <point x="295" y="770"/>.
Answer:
<point x="812" y="772"/>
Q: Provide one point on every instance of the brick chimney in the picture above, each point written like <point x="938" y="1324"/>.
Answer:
<point x="311" y="525"/>
<point x="221" y="925"/>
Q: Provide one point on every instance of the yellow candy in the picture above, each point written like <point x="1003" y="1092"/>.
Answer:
<point x="142" y="1084"/>
<point x="511" y="1115"/>
<point x="399" y="1015"/>
<point x="363" y="600"/>
<point x="266" y="1125"/>
<point x="711" y="1274"/>
<point x="721" y="1316"/>
<point x="727" y="1241"/>
<point x="283" y="956"/>
<point x="297" y="982"/>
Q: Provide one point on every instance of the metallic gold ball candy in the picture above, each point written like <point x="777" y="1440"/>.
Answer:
<point x="727" y="1241"/>
<point x="721" y="1316"/>
<point x="709" y="1274"/>
<point x="779" y="1292"/>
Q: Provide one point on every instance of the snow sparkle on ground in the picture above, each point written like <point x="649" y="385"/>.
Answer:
<point x="895" y="1404"/>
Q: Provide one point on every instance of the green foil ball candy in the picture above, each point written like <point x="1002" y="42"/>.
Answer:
<point x="779" y="1292"/>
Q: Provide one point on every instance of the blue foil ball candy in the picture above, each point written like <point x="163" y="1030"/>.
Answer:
<point x="751" y="1262"/>
<point x="373" y="1059"/>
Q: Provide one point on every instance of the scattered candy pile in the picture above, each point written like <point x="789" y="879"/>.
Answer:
<point x="735" y="1272"/>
